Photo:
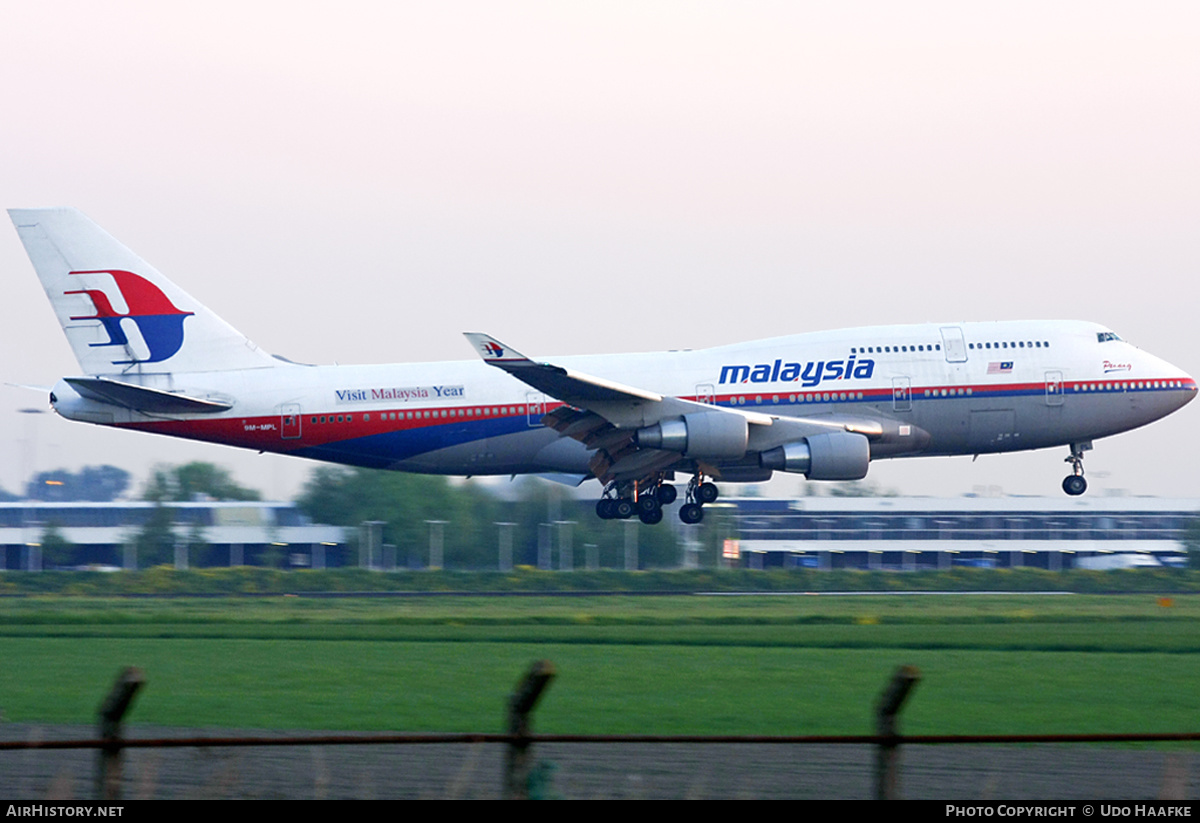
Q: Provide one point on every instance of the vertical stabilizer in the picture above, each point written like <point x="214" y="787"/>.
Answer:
<point x="120" y="315"/>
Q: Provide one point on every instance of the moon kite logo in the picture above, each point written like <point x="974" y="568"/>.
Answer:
<point x="156" y="318"/>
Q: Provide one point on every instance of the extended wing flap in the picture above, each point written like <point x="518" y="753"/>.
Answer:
<point x="143" y="399"/>
<point x="573" y="423"/>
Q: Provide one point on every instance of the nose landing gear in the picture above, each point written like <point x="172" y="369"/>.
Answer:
<point x="1074" y="483"/>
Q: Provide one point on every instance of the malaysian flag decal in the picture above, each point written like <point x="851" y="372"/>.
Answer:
<point x="1003" y="367"/>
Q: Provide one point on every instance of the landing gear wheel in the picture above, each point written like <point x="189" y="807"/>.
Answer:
<point x="1074" y="484"/>
<point x="623" y="509"/>
<point x="651" y="517"/>
<point x="691" y="513"/>
<point x="707" y="493"/>
<point x="606" y="508"/>
<point x="667" y="494"/>
<point x="648" y="503"/>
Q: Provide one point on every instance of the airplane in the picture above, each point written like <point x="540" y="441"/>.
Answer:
<point x="821" y="404"/>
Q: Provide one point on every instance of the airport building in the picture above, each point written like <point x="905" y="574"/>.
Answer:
<point x="102" y="534"/>
<point x="891" y="533"/>
<point x="913" y="533"/>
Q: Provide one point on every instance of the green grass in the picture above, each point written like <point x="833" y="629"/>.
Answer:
<point x="747" y="665"/>
<point x="21" y="612"/>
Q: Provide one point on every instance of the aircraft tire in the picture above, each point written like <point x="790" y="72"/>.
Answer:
<point x="651" y="517"/>
<point x="691" y="513"/>
<point x="707" y="493"/>
<point x="667" y="494"/>
<point x="1074" y="484"/>
<point x="623" y="509"/>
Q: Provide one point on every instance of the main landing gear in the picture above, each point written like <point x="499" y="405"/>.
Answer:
<point x="1074" y="483"/>
<point x="646" y="500"/>
<point x="699" y="492"/>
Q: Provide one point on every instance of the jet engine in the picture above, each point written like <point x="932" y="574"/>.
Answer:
<point x="704" y="434"/>
<point x="832" y="456"/>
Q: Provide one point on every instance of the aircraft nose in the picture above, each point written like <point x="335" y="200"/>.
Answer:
<point x="1184" y="388"/>
<point x="1189" y="387"/>
<point x="1173" y="387"/>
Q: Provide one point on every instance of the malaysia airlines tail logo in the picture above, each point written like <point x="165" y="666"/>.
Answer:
<point x="493" y="349"/>
<point x="158" y="321"/>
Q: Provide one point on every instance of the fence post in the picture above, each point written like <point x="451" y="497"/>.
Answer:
<point x="887" y="758"/>
<point x="112" y="712"/>
<point x="520" y="709"/>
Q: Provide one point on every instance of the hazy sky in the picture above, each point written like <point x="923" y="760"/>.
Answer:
<point x="360" y="182"/>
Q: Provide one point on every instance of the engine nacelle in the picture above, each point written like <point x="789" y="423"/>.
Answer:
<point x="832" y="456"/>
<point x="704" y="434"/>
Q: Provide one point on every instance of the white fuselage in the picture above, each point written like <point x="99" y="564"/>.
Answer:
<point x="967" y="388"/>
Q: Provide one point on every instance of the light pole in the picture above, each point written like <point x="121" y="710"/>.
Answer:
<point x="506" y="558"/>
<point x="435" y="542"/>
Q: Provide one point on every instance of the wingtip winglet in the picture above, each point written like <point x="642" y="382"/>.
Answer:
<point x="491" y="349"/>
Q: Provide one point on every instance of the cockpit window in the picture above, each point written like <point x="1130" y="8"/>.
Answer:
<point x="1105" y="336"/>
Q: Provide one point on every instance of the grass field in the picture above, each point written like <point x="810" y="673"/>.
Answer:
<point x="680" y="664"/>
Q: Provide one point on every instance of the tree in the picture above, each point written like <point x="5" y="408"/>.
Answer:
<point x="541" y="501"/>
<point x="404" y="502"/>
<point x="195" y="481"/>
<point x="155" y="540"/>
<point x="57" y="550"/>
<point x="857" y="488"/>
<point x="347" y="497"/>
<point x="100" y="484"/>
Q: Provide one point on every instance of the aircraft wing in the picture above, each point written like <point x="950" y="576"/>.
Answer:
<point x="567" y="385"/>
<point x="623" y="406"/>
<point x="605" y="416"/>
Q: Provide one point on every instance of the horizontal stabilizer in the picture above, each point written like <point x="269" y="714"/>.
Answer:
<point x="142" y="399"/>
<point x="43" y="389"/>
